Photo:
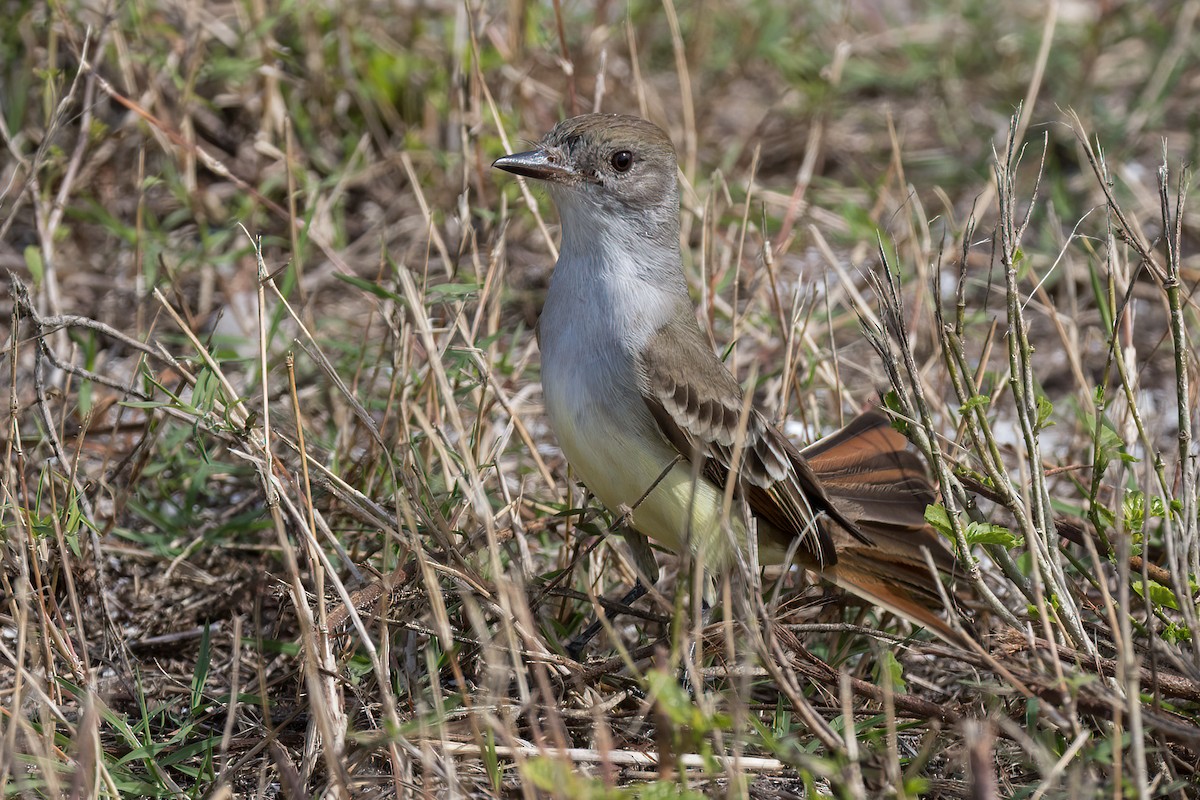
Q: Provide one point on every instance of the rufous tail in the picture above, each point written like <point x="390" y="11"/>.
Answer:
<point x="870" y="474"/>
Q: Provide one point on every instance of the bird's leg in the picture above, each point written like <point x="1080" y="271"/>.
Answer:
<point x="647" y="569"/>
<point x="685" y="672"/>
<point x="706" y="613"/>
<point x="576" y="645"/>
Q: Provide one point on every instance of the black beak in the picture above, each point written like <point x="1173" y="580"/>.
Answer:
<point x="534" y="164"/>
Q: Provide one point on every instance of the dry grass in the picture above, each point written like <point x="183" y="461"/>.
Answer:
<point x="280" y="513"/>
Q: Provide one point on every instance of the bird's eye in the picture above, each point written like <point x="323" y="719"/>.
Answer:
<point x="622" y="160"/>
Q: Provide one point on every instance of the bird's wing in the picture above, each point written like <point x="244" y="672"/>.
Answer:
<point x="699" y="408"/>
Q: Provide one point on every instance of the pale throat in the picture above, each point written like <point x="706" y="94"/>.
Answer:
<point x="626" y="284"/>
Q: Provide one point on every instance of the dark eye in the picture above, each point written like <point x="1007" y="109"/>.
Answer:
<point x="622" y="160"/>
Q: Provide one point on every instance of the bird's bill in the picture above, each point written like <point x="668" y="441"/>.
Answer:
<point x="534" y="164"/>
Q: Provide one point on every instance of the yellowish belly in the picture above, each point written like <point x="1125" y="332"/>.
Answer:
<point x="682" y="511"/>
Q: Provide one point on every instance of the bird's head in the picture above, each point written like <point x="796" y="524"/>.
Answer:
<point x="607" y="169"/>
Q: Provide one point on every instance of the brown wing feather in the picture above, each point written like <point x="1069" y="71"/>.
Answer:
<point x="699" y="410"/>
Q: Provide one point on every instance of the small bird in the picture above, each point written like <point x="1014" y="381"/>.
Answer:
<point x="641" y="405"/>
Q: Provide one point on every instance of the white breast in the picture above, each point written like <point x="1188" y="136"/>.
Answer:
<point x="588" y="337"/>
<point x="590" y="388"/>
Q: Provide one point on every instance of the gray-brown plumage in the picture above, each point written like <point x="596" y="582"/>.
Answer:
<point x="650" y="418"/>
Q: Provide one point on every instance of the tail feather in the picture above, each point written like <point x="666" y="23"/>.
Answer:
<point x="870" y="475"/>
<point x="861" y="577"/>
<point x="867" y="467"/>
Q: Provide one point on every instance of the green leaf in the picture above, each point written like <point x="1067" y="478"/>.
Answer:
<point x="452" y="289"/>
<point x="989" y="533"/>
<point x="1176" y="633"/>
<point x="490" y="760"/>
<point x="916" y="786"/>
<point x="33" y="262"/>
<point x="661" y="790"/>
<point x="1159" y="595"/>
<point x="937" y="516"/>
<point x="889" y="668"/>
<point x="974" y="402"/>
<point x="1157" y="507"/>
<point x="1044" y="411"/>
<point x="558" y="778"/>
<point x="1133" y="508"/>
<point x="204" y="391"/>
<point x="369" y="286"/>
<point x="200" y="674"/>
<point x="891" y="401"/>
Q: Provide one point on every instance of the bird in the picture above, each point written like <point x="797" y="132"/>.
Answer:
<point x="653" y="423"/>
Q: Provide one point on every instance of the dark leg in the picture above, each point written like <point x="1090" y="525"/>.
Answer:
<point x="576" y="645"/>
<point x="706" y="612"/>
